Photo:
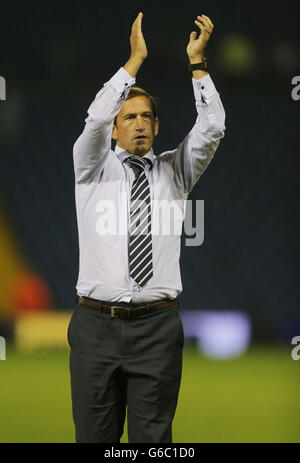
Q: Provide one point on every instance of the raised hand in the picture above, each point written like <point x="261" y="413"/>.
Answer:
<point x="196" y="46"/>
<point x="137" y="42"/>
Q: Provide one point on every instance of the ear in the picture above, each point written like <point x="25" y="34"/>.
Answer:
<point x="114" y="132"/>
<point x="156" y="125"/>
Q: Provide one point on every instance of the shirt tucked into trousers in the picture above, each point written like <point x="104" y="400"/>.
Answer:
<point x="134" y="364"/>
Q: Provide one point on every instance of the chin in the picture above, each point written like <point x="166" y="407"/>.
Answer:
<point x="140" y="150"/>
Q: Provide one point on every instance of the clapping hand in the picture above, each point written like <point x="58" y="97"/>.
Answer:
<point x="137" y="42"/>
<point x="196" y="46"/>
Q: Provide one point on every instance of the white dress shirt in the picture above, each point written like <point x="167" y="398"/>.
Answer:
<point x="103" y="184"/>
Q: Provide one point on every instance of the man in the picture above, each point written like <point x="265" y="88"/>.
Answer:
<point x="126" y="335"/>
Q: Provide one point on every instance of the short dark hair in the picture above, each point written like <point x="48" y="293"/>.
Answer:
<point x="137" y="91"/>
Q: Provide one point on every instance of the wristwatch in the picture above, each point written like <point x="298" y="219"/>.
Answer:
<point x="199" y="66"/>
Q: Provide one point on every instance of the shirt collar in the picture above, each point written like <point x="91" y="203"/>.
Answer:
<point x="123" y="155"/>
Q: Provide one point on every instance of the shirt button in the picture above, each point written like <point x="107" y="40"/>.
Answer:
<point x="202" y="87"/>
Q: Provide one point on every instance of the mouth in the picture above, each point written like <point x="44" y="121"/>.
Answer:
<point x="141" y="137"/>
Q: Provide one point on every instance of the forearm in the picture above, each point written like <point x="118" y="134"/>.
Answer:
<point x="133" y="65"/>
<point x="194" y="154"/>
<point x="209" y="128"/>
<point x="94" y="144"/>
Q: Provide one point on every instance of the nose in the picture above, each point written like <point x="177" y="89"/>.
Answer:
<point x="139" y="124"/>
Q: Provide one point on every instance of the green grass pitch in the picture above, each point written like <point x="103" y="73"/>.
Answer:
<point x="251" y="398"/>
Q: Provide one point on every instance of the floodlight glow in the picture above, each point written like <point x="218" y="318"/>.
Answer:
<point x="219" y="334"/>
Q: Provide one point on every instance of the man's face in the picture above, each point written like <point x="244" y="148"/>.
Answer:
<point x="136" y="119"/>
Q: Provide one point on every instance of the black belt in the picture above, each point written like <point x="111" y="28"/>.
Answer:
<point x="125" y="309"/>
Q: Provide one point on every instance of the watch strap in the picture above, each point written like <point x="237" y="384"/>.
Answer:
<point x="202" y="66"/>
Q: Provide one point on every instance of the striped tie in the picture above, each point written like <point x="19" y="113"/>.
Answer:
<point x="140" y="240"/>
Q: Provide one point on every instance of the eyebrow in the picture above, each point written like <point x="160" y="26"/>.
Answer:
<point x="134" y="114"/>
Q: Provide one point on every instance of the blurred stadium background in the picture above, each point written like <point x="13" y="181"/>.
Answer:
<point x="239" y="306"/>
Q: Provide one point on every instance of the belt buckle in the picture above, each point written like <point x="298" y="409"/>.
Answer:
<point x="125" y="309"/>
<point x="113" y="307"/>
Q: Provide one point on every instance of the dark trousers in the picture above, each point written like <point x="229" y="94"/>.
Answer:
<point x="116" y="362"/>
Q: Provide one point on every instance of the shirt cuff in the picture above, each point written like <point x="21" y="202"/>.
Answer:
<point x="204" y="87"/>
<point x="121" y="80"/>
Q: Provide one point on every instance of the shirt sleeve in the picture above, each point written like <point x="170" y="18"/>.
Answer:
<point x="196" y="151"/>
<point x="92" y="147"/>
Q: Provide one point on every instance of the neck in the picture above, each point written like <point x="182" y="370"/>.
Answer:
<point x="137" y="152"/>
